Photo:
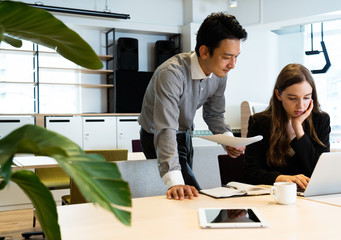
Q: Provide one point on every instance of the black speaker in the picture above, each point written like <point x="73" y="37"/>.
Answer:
<point x="127" y="54"/>
<point x="163" y="50"/>
<point x="130" y="88"/>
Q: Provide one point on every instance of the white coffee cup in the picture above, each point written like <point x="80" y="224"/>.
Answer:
<point x="284" y="192"/>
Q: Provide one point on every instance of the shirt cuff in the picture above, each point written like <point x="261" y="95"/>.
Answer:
<point x="173" y="178"/>
<point x="226" y="134"/>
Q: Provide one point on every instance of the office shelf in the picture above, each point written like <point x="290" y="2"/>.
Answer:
<point x="81" y="85"/>
<point x="131" y="82"/>
<point x="82" y="70"/>
<point x="7" y="82"/>
<point x="17" y="51"/>
<point x="102" y="57"/>
<point x="40" y="69"/>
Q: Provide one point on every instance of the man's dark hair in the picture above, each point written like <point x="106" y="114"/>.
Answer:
<point x="217" y="27"/>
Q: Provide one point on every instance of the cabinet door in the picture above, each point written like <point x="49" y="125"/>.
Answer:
<point x="10" y="123"/>
<point x="99" y="133"/>
<point x="127" y="130"/>
<point x="13" y="197"/>
<point x="70" y="127"/>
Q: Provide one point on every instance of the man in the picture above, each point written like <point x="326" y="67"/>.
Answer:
<point x="179" y="87"/>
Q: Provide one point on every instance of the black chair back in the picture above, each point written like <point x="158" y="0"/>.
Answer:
<point x="231" y="169"/>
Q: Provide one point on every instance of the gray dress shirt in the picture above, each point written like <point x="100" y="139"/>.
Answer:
<point x="177" y="89"/>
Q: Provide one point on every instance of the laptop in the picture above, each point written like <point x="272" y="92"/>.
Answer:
<point x="326" y="177"/>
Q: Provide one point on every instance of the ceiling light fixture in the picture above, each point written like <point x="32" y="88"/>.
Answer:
<point x="233" y="3"/>
<point x="105" y="13"/>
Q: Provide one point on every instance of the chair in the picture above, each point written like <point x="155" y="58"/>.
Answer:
<point x="53" y="178"/>
<point x="143" y="177"/>
<point x="205" y="165"/>
<point x="111" y="154"/>
<point x="136" y="145"/>
<point x="230" y="169"/>
<point x="246" y="110"/>
<point x="75" y="196"/>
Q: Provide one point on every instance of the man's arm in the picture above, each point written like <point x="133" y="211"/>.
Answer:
<point x="166" y="120"/>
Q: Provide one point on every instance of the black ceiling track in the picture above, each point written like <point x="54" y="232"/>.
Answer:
<point x="81" y="11"/>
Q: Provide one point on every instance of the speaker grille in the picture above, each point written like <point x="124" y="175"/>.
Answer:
<point x="127" y="54"/>
<point x="163" y="50"/>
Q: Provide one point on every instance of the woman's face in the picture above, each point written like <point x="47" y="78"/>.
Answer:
<point x="295" y="98"/>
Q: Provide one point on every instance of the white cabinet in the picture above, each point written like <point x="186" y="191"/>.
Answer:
<point x="127" y="130"/>
<point x="12" y="197"/>
<point x="99" y="133"/>
<point x="10" y="123"/>
<point x="89" y="132"/>
<point x="70" y="127"/>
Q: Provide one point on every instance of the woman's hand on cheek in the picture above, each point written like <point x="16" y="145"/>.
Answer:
<point x="300" y="119"/>
<point x="297" y="121"/>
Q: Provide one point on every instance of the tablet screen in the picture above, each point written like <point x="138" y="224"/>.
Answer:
<point x="231" y="217"/>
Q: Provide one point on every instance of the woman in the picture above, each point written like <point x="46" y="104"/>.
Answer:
<point x="295" y="132"/>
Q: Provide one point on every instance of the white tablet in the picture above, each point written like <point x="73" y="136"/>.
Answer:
<point x="231" y="218"/>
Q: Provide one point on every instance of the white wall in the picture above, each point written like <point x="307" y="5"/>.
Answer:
<point x="253" y="77"/>
<point x="153" y="12"/>
<point x="284" y="13"/>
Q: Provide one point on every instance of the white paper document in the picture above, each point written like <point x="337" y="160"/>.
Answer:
<point x="232" y="141"/>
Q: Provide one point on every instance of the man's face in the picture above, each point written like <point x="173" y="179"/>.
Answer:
<point x="223" y="59"/>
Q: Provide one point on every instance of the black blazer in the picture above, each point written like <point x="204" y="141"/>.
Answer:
<point x="307" y="151"/>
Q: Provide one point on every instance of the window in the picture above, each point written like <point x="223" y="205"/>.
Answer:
<point x="328" y="84"/>
<point x="56" y="86"/>
<point x="17" y="85"/>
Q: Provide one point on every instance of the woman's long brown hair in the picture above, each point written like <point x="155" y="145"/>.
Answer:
<point x="279" y="140"/>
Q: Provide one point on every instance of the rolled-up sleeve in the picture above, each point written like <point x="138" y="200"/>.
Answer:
<point x="168" y="89"/>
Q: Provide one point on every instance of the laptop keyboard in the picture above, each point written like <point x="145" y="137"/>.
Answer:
<point x="300" y="191"/>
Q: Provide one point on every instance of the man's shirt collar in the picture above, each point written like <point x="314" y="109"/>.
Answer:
<point x="196" y="70"/>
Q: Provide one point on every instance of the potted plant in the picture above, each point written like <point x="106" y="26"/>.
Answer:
<point x="99" y="181"/>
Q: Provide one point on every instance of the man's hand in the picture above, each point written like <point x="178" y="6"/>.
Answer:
<point x="178" y="192"/>
<point x="234" y="152"/>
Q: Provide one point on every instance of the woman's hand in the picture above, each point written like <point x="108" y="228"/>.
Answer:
<point x="299" y="179"/>
<point x="297" y="121"/>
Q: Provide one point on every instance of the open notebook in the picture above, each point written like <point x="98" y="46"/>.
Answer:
<point x="235" y="189"/>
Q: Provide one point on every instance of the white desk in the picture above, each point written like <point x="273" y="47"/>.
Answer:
<point x="333" y="199"/>
<point x="136" y="156"/>
<point x="163" y="219"/>
<point x="31" y="162"/>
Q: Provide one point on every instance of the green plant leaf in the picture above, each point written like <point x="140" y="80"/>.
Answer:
<point x="13" y="41"/>
<point x="42" y="200"/>
<point x="99" y="181"/>
<point x="39" y="26"/>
